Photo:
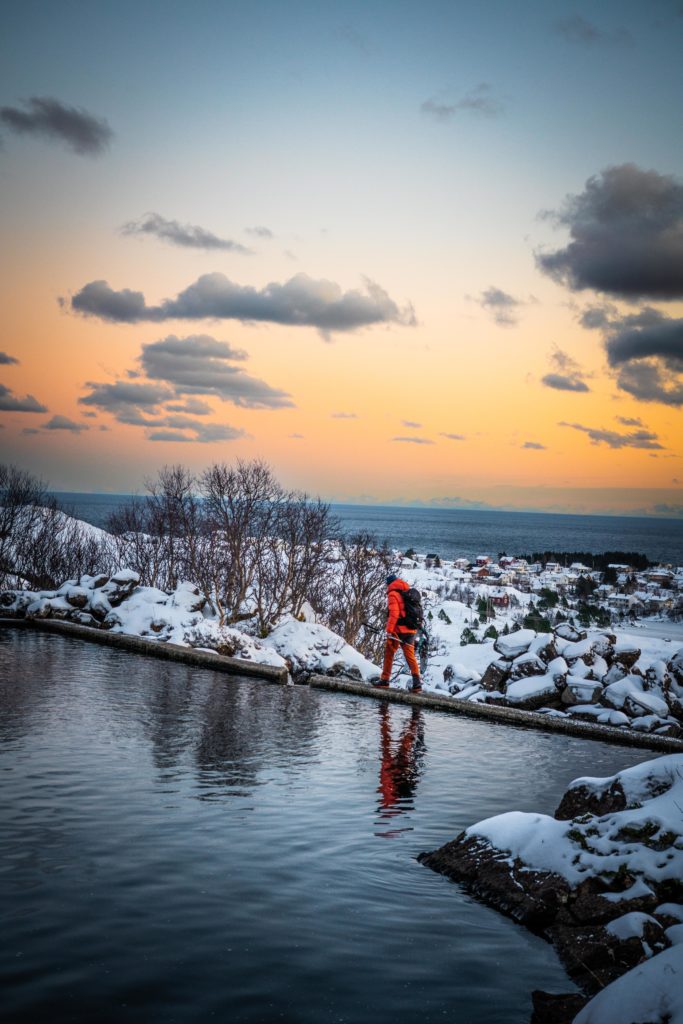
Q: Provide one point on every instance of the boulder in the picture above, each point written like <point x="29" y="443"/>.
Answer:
<point x="676" y="666"/>
<point x="558" y="669"/>
<point x="495" y="675"/>
<point x="527" y="665"/>
<point x="626" y="655"/>
<point x="568" y="632"/>
<point x="530" y="897"/>
<point x="515" y="643"/>
<point x="599" y="668"/>
<point x="582" y="649"/>
<point x="592" y="904"/>
<point x="583" y="799"/>
<point x="532" y="693"/>
<point x="120" y="586"/>
<point x="77" y="597"/>
<point x="188" y="597"/>
<point x="645" y="704"/>
<point x="580" y="691"/>
<point x="544" y="647"/>
<point x="614" y="673"/>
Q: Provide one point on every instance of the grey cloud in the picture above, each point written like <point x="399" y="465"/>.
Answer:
<point x="597" y="317"/>
<point x="501" y="305"/>
<point x="453" y="437"/>
<point x="98" y="299"/>
<point x="7" y="360"/>
<point x="629" y="421"/>
<point x="577" y="29"/>
<point x="301" y="301"/>
<point x="535" y="445"/>
<point x="564" y="383"/>
<point x="297" y="437"/>
<point x="645" y="335"/>
<point x="626" y="231"/>
<point x="478" y="102"/>
<point x="188" y="236"/>
<point x="30" y="430"/>
<point x="208" y="432"/>
<point x="168" y="435"/>
<point x="64" y="423"/>
<point x="127" y="401"/>
<point x="260" y="232"/>
<point x="9" y="402"/>
<point x="636" y="439"/>
<point x="201" y="365"/>
<point x="412" y="440"/>
<point x="192" y="406"/>
<point x="651" y="383"/>
<point x="411" y="423"/>
<point x="204" y="433"/>
<point x="47" y="117"/>
<point x="344" y="416"/>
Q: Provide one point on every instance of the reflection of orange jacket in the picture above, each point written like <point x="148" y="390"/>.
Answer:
<point x="397" y="608"/>
<point x="399" y="770"/>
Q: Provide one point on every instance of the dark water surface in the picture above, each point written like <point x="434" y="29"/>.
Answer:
<point x="453" y="532"/>
<point x="178" y="846"/>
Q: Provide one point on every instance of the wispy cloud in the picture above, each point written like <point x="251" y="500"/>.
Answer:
<point x="566" y="375"/>
<point x="535" y="445"/>
<point x="578" y="29"/>
<point x="187" y="236"/>
<point x="636" y="439"/>
<point x="7" y="360"/>
<point x="503" y="307"/>
<point x="478" y="102"/>
<point x="260" y="232"/>
<point x="412" y="440"/>
<point x="47" y="117"/>
<point x="411" y="423"/>
<point x="344" y="416"/>
<point x="453" y="437"/>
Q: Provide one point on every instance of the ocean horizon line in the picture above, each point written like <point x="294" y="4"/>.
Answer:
<point x="431" y="507"/>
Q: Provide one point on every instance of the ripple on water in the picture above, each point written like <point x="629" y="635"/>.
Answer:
<point x="179" y="845"/>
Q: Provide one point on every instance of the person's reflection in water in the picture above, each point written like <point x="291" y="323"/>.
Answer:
<point x="400" y="766"/>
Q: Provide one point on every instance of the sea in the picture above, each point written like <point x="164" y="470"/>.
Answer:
<point x="452" y="533"/>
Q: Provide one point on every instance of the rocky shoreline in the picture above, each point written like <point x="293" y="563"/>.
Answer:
<point x="602" y="880"/>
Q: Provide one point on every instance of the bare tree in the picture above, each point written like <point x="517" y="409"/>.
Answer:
<point x="359" y="592"/>
<point x="41" y="546"/>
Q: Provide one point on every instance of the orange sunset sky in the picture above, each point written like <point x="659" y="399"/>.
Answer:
<point x="416" y="253"/>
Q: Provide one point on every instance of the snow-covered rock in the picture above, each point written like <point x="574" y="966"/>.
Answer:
<point x="309" y="647"/>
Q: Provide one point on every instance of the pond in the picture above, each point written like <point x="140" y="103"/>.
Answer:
<point x="183" y="846"/>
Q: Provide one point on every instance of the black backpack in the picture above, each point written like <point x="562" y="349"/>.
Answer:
<point x="413" y="615"/>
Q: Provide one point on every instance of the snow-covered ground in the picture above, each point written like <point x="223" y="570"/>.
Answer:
<point x="629" y="678"/>
<point x="634" y="855"/>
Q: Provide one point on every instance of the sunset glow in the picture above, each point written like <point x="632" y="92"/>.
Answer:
<point x="338" y="238"/>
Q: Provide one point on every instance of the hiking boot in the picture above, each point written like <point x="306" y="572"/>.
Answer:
<point x="417" y="685"/>
<point x="381" y="683"/>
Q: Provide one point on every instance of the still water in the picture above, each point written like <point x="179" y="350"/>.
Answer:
<point x="180" y="846"/>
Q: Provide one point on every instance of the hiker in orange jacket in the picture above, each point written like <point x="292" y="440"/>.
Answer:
<point x="399" y="635"/>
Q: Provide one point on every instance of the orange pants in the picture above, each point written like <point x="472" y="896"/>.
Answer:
<point x="407" y="642"/>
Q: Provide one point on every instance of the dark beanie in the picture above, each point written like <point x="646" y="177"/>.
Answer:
<point x="391" y="577"/>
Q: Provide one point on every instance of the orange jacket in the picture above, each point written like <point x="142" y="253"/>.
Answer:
<point x="397" y="607"/>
